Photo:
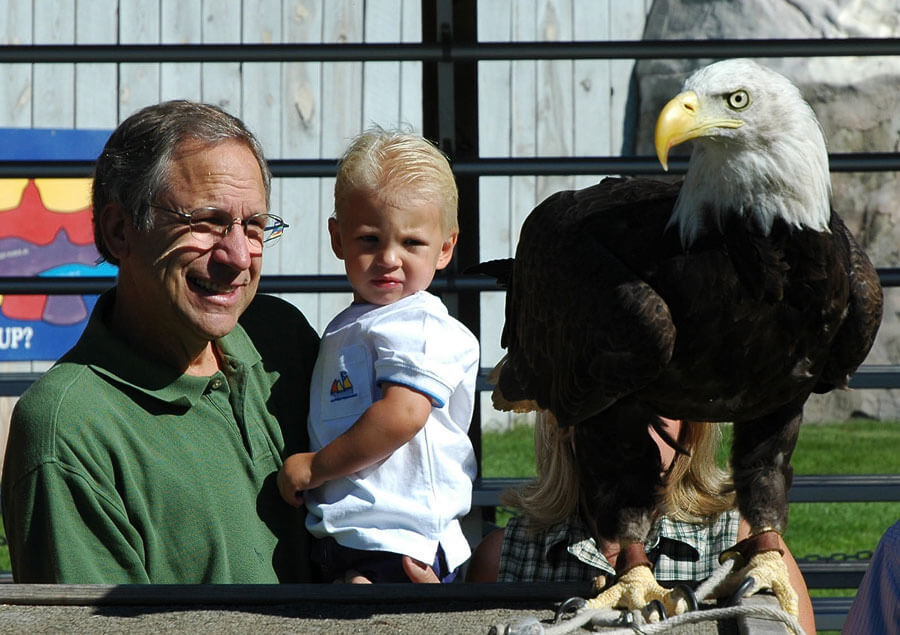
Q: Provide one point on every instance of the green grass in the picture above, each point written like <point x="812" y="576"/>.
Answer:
<point x="854" y="447"/>
<point x="508" y="453"/>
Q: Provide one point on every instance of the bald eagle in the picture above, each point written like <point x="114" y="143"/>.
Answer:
<point x="730" y="296"/>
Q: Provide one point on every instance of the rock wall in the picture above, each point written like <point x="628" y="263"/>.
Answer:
<point x="857" y="101"/>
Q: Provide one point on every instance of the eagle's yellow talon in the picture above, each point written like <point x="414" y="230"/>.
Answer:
<point x="768" y="571"/>
<point x="637" y="588"/>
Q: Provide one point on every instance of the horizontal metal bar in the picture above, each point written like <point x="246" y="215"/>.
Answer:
<point x="14" y="384"/>
<point x="645" y="165"/>
<point x="806" y="488"/>
<point x="665" y="49"/>
<point x="62" y="285"/>
<point x="52" y="285"/>
<point x="866" y="377"/>
<point x="304" y="168"/>
<point x="446" y="52"/>
<point x="831" y="613"/>
<point x="889" y="276"/>
<point x="46" y="169"/>
<point x="200" y="53"/>
<point x="845" y="574"/>
<point x="85" y="168"/>
<point x="487" y="166"/>
<point x="876" y="376"/>
<point x="845" y="488"/>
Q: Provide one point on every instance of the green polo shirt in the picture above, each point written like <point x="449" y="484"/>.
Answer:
<point x="120" y="470"/>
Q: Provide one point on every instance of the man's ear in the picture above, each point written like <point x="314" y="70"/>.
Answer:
<point x="113" y="224"/>
<point x="447" y="250"/>
<point x="335" y="231"/>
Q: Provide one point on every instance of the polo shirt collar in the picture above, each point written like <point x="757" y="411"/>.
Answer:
<point x="109" y="355"/>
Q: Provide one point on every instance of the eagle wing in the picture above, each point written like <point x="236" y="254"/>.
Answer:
<point x="864" y="310"/>
<point x="583" y="329"/>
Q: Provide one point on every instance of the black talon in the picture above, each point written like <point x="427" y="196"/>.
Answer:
<point x="659" y="607"/>
<point x="690" y="596"/>
<point x="569" y="606"/>
<point x="738" y="594"/>
<point x="625" y="619"/>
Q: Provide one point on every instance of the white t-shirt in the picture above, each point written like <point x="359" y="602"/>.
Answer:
<point x="413" y="499"/>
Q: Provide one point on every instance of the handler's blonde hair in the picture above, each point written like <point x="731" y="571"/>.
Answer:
<point x="696" y="488"/>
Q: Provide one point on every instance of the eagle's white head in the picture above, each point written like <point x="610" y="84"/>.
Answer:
<point x="758" y="150"/>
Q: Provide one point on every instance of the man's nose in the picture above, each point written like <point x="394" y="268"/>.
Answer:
<point x="233" y="248"/>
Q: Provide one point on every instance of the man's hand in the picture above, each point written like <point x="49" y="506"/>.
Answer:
<point x="294" y="477"/>
<point x="417" y="571"/>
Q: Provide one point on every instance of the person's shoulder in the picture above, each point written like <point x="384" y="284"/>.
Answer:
<point x="521" y="528"/>
<point x="62" y="387"/>
<point x="423" y="317"/>
<point x="438" y="311"/>
<point x="892" y="534"/>
<point x="266" y="310"/>
<point x="58" y="403"/>
<point x="273" y="323"/>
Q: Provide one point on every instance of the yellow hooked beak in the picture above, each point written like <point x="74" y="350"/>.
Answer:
<point x="683" y="119"/>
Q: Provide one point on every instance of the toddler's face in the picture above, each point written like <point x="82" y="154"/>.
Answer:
<point x="391" y="246"/>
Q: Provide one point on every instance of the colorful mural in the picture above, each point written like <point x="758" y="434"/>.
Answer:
<point x="45" y="230"/>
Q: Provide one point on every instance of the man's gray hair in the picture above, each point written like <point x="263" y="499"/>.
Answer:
<point x="134" y="165"/>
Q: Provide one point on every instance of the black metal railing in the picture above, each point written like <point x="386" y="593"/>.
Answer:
<point x="444" y="52"/>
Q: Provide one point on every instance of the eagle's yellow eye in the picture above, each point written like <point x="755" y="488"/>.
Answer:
<point x="739" y="99"/>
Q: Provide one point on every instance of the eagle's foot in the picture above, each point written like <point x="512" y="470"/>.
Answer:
<point x="762" y="555"/>
<point x="637" y="588"/>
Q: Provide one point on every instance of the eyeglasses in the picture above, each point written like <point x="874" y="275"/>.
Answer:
<point x="209" y="225"/>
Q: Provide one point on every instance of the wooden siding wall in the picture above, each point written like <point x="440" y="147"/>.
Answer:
<point x="298" y="110"/>
<point x="310" y="110"/>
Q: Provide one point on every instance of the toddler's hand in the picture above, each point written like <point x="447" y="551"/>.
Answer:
<point x="294" y="477"/>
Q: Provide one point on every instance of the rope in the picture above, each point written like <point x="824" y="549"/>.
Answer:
<point x="695" y="617"/>
<point x="708" y="586"/>
<point x="637" y="621"/>
<point x="631" y="622"/>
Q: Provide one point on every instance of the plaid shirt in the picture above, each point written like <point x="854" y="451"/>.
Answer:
<point x="565" y="552"/>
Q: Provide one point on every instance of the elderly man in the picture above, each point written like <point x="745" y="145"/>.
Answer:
<point x="148" y="453"/>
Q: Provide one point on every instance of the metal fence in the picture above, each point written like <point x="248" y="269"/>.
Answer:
<point x="449" y="51"/>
